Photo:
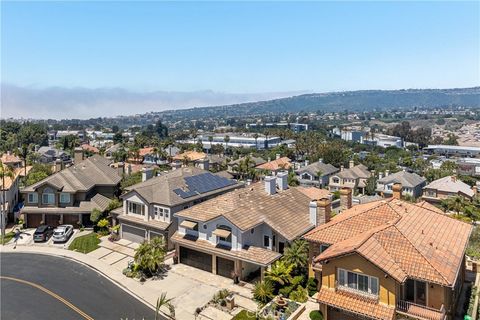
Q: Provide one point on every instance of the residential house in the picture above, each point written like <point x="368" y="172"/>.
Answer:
<point x="110" y="152"/>
<point x="355" y="178"/>
<point x="89" y="149"/>
<point x="412" y="183"/>
<point x="389" y="259"/>
<point x="316" y="174"/>
<point x="9" y="187"/>
<point x="11" y="160"/>
<point x="447" y="187"/>
<point x="275" y="166"/>
<point x="149" y="206"/>
<point x="69" y="196"/>
<point x="233" y="166"/>
<point x="50" y="155"/>
<point x="245" y="231"/>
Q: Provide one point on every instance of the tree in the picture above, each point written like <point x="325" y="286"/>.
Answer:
<point x="226" y="139"/>
<point x="149" y="255"/>
<point x="371" y="185"/>
<point x="263" y="292"/>
<point x="292" y="179"/>
<point x="37" y="173"/>
<point x="162" y="301"/>
<point x="24" y="152"/>
<point x="255" y="136"/>
<point x="451" y="140"/>
<point x="210" y="139"/>
<point x="95" y="215"/>
<point x="297" y="255"/>
<point x="279" y="273"/>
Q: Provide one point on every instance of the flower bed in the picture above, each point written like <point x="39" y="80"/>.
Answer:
<point x="282" y="309"/>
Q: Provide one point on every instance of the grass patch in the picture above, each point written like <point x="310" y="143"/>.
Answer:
<point x="8" y="237"/>
<point x="85" y="244"/>
<point x="246" y="315"/>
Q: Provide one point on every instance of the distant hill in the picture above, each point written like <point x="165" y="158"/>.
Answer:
<point x="365" y="100"/>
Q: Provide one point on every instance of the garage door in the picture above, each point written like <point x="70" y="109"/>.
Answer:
<point x="52" y="220"/>
<point x="132" y="233"/>
<point x="196" y="259"/>
<point x="71" y="219"/>
<point x="33" y="220"/>
<point x="225" y="267"/>
<point x="154" y="234"/>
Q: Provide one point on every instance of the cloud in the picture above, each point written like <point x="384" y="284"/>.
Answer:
<point x="84" y="103"/>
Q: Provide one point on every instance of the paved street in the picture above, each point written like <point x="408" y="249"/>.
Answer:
<point x="37" y="286"/>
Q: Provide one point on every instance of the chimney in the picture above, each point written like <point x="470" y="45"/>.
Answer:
<point x="147" y="173"/>
<point x="78" y="155"/>
<point x="351" y="164"/>
<point x="58" y="165"/>
<point x="8" y="152"/>
<point x="319" y="211"/>
<point x="306" y="163"/>
<point x="203" y="164"/>
<point x="282" y="180"/>
<point x="345" y="198"/>
<point x="387" y="172"/>
<point x="121" y="168"/>
<point x="270" y="186"/>
<point x="380" y="175"/>
<point x="342" y="167"/>
<point x="128" y="169"/>
<point x="397" y="190"/>
<point x="454" y="178"/>
<point x="277" y="156"/>
<point x="320" y="160"/>
<point x="475" y="191"/>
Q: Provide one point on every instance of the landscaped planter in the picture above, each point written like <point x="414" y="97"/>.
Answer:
<point x="282" y="309"/>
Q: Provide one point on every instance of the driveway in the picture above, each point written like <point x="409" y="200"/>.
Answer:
<point x="26" y="238"/>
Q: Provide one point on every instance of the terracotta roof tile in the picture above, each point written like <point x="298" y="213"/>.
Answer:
<point x="281" y="163"/>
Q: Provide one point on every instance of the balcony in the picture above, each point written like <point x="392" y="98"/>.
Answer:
<point x="417" y="311"/>
<point x="357" y="293"/>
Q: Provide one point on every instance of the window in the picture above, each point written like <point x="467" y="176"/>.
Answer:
<point x="158" y="211"/>
<point x="48" y="198"/>
<point x="358" y="281"/>
<point x="33" y="197"/>
<point x="336" y="180"/>
<point x="266" y="241"/>
<point x="64" y="197"/>
<point x="323" y="247"/>
<point x="136" y="208"/>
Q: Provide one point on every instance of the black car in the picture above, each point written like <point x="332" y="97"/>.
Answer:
<point x="43" y="233"/>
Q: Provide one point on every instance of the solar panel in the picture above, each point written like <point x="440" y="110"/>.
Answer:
<point x="203" y="183"/>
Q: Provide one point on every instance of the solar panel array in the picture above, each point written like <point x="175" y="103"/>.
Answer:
<point x="203" y="183"/>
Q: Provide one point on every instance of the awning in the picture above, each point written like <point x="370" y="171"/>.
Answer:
<point x="222" y="233"/>
<point x="188" y="224"/>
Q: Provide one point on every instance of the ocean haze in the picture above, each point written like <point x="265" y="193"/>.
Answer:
<point x="83" y="103"/>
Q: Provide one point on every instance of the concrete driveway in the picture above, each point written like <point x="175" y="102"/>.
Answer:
<point x="26" y="238"/>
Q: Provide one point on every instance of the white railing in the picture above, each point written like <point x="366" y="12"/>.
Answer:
<point x="419" y="311"/>
<point x="361" y="294"/>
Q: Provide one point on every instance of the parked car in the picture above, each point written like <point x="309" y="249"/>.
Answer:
<point x="62" y="233"/>
<point x="43" y="233"/>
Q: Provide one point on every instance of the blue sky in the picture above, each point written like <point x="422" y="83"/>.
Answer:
<point x="241" y="47"/>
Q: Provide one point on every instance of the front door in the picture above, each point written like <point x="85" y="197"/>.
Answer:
<point x="281" y="247"/>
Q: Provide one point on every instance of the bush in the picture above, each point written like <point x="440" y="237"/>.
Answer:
<point x="263" y="292"/>
<point x="299" y="295"/>
<point x="95" y="215"/>
<point x="312" y="284"/>
<point x="316" y="315"/>
<point x="149" y="255"/>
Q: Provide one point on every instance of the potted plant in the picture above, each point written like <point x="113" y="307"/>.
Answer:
<point x="175" y="258"/>
<point x="235" y="277"/>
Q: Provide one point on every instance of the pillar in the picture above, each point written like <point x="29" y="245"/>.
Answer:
<point x="214" y="264"/>
<point x="262" y="273"/>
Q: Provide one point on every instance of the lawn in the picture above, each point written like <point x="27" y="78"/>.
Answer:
<point x="85" y="244"/>
<point x="245" y="315"/>
<point x="8" y="237"/>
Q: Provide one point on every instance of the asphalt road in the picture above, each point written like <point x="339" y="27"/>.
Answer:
<point x="34" y="286"/>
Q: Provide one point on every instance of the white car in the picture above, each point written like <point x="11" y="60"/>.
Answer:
<point x="62" y="233"/>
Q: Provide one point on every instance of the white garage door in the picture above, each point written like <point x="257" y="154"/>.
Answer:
<point x="132" y="233"/>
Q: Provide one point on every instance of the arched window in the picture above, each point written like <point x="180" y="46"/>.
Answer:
<point x="48" y="196"/>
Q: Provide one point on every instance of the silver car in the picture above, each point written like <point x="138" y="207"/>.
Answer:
<point x="62" y="233"/>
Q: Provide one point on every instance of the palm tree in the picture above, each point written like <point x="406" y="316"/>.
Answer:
<point x="263" y="292"/>
<point x="266" y="133"/>
<point x="279" y="273"/>
<point x="5" y="171"/>
<point x="149" y="255"/>
<point x="255" y="136"/>
<point x="210" y="139"/>
<point x="24" y="152"/>
<point x="162" y="301"/>
<point x="297" y="254"/>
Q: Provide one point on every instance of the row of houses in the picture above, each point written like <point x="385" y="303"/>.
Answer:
<point x="373" y="260"/>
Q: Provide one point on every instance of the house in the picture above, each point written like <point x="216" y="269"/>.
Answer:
<point x="88" y="148"/>
<point x="412" y="183"/>
<point x="110" y="152"/>
<point x="9" y="159"/>
<point x="145" y="155"/>
<point x="389" y="259"/>
<point x="355" y="178"/>
<point x="233" y="166"/>
<point x="245" y="231"/>
<point x="315" y="174"/>
<point x="275" y="166"/>
<point x="149" y="206"/>
<point x="69" y="196"/>
<point x="447" y="187"/>
<point x="50" y="155"/>
<point x="9" y="187"/>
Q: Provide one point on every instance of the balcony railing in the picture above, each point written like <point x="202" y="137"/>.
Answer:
<point x="420" y="312"/>
<point x="360" y="294"/>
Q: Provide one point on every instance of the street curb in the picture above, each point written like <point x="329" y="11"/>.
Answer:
<point x="115" y="282"/>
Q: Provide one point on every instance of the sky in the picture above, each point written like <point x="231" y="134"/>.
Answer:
<point x="240" y="50"/>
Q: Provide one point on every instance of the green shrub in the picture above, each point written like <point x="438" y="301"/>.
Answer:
<point x="263" y="292"/>
<point x="95" y="215"/>
<point x="299" y="295"/>
<point x="312" y="286"/>
<point x="316" y="315"/>
<point x="285" y="291"/>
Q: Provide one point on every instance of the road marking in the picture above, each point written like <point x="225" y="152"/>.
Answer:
<point x="52" y="294"/>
